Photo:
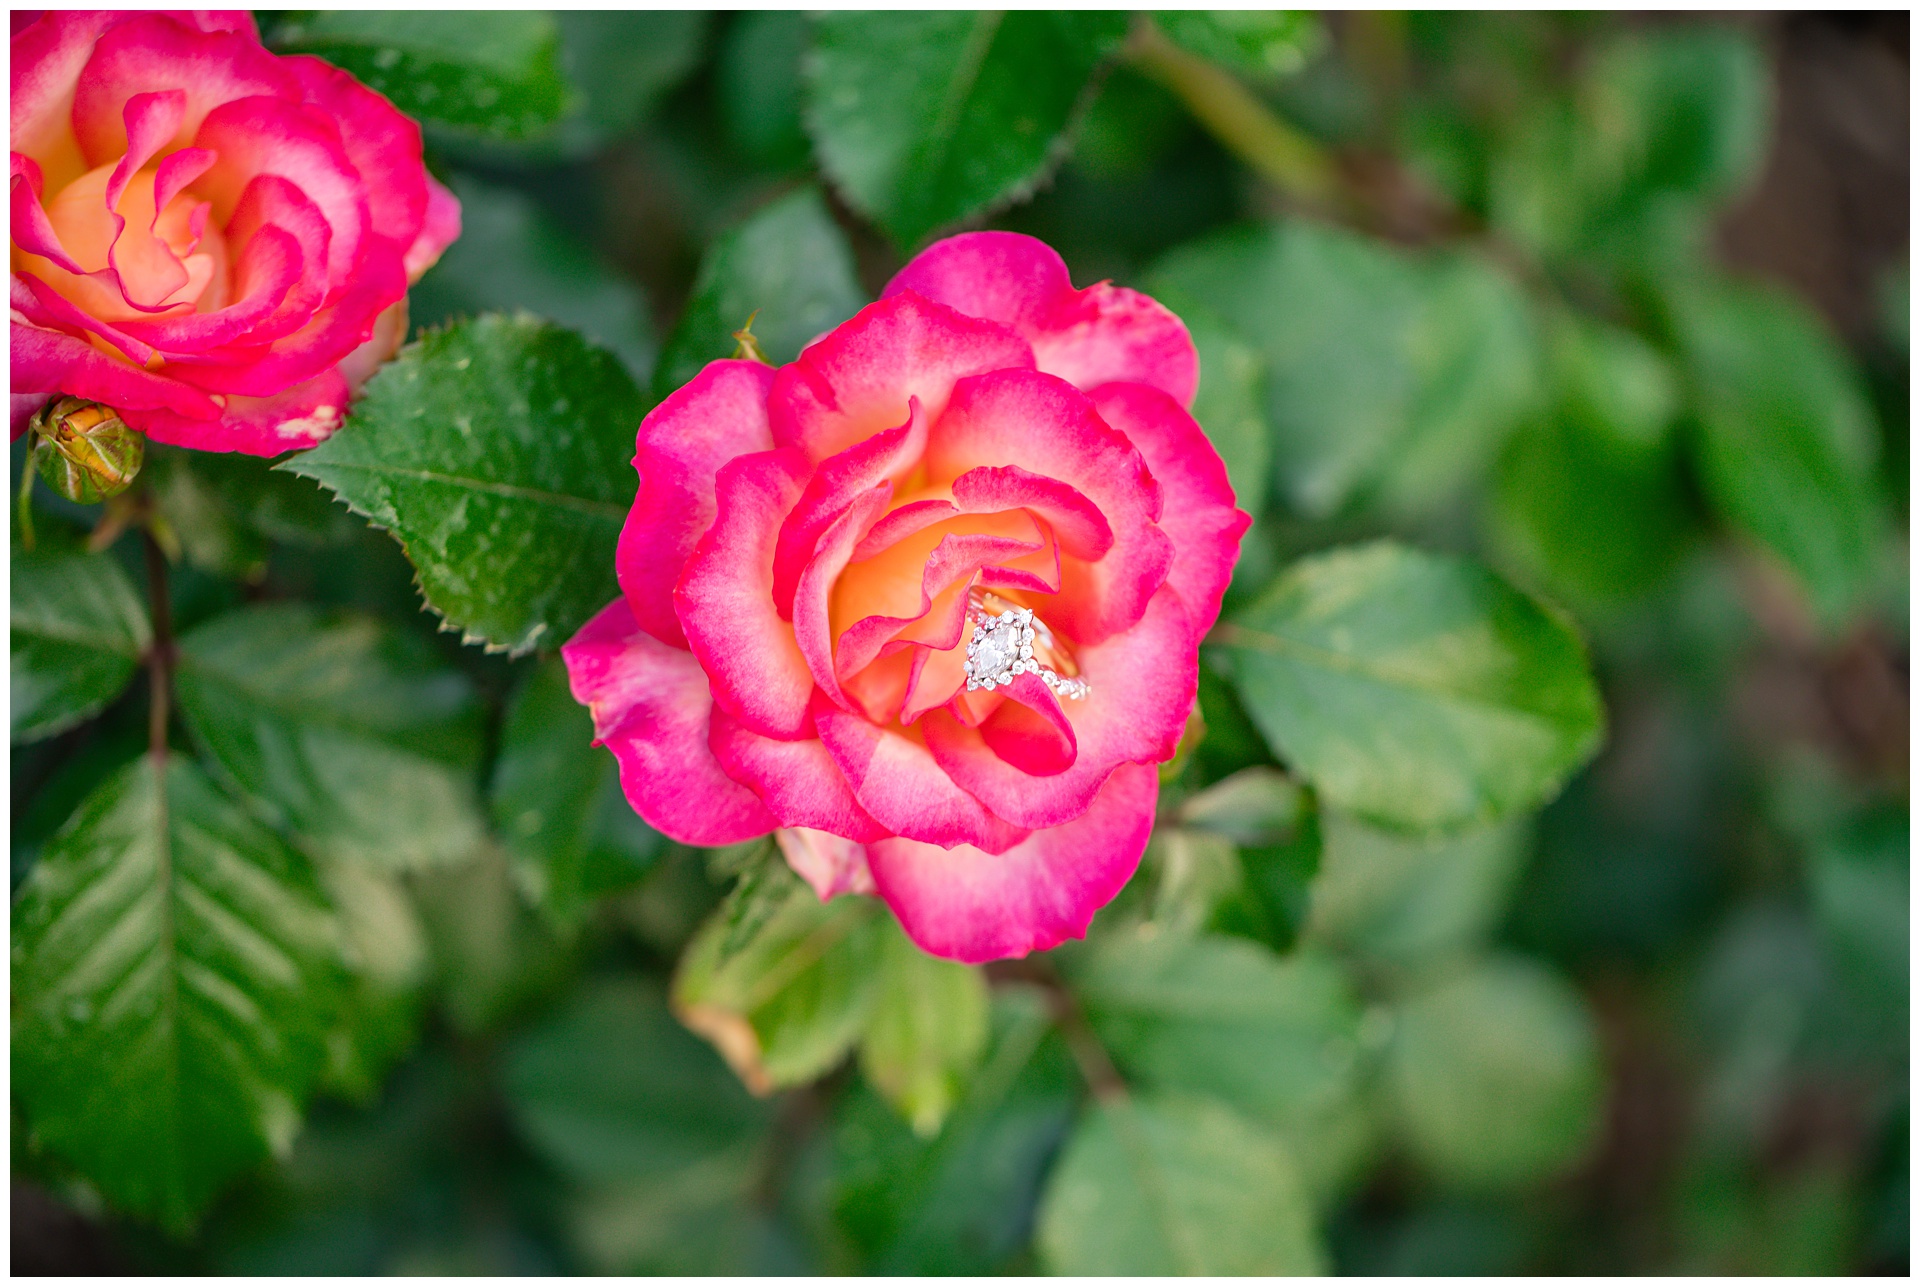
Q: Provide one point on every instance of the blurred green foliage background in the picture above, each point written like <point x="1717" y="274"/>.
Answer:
<point x="1617" y="306"/>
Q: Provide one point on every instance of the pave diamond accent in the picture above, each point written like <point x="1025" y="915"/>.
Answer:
<point x="1002" y="648"/>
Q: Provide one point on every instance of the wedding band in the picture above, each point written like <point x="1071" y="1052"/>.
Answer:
<point x="1014" y="642"/>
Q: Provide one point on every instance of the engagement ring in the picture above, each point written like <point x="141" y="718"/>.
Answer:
<point x="1013" y="642"/>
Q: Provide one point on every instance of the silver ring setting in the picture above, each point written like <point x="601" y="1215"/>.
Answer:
<point x="1002" y="648"/>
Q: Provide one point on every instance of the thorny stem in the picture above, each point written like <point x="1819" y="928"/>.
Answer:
<point x="160" y="653"/>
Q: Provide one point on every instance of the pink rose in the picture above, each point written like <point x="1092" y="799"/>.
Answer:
<point x="790" y="648"/>
<point x="212" y="240"/>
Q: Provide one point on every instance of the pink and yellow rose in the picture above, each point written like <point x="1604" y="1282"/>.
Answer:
<point x="212" y="240"/>
<point x="789" y="651"/>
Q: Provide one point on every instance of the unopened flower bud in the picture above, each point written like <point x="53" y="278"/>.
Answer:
<point x="85" y="450"/>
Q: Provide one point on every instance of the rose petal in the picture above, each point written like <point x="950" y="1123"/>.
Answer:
<point x="1199" y="513"/>
<point x="797" y="780"/>
<point x="681" y="445"/>
<point x="389" y="333"/>
<point x="47" y="362"/>
<point x="832" y="864"/>
<point x="725" y="602"/>
<point x="1083" y="531"/>
<point x="280" y="236"/>
<point x="888" y="455"/>
<point x="1029" y="731"/>
<point x="256" y="136"/>
<point x="45" y="61"/>
<point x="292" y="420"/>
<point x="1045" y="426"/>
<point x="950" y="567"/>
<point x="812" y="612"/>
<point x="858" y="379"/>
<point x="939" y="674"/>
<point x="650" y="707"/>
<point x="915" y="516"/>
<point x="1141" y="689"/>
<point x="440" y="229"/>
<point x="33" y="231"/>
<point x="37" y="301"/>
<point x="335" y="331"/>
<point x="968" y="905"/>
<point x="896" y="780"/>
<point x="1088" y="337"/>
<point x="383" y="145"/>
<point x="154" y="52"/>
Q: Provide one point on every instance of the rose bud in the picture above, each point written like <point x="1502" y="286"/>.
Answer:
<point x="85" y="451"/>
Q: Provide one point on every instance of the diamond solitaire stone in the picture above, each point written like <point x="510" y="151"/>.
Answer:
<point x="994" y="654"/>
<point x="1002" y="647"/>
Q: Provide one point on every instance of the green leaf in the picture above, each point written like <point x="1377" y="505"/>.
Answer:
<point x="1684" y="109"/>
<point x="926" y="1032"/>
<point x="1477" y="370"/>
<point x="1256" y="806"/>
<point x="1415" y="690"/>
<point x="792" y="1001"/>
<point x="762" y="885"/>
<point x="1125" y="133"/>
<point x="788" y="267"/>
<point x="491" y="955"/>
<point x="1163" y="1185"/>
<point x="511" y="255"/>
<point x="1410" y="902"/>
<point x="1276" y="1039"/>
<point x="1601" y="460"/>
<point x="228" y="508"/>
<point x="611" y="1088"/>
<point x="492" y="72"/>
<point x="78" y="631"/>
<point x="1662" y="124"/>
<point x="962" y="1201"/>
<point x="1589" y="525"/>
<point x="621" y="62"/>
<point x="175" y="972"/>
<point x="661" y="1143"/>
<point x="760" y="86"/>
<point x="1387" y="374"/>
<point x="1231" y="404"/>
<point x="924" y="118"/>
<point x="699" y="1222"/>
<point x="1240" y="859"/>
<point x="1495" y="1075"/>
<point x="1184" y="876"/>
<point x="557" y="802"/>
<point x="1786" y="443"/>
<point x="338" y="728"/>
<point x="495" y="451"/>
<point x="384" y="947"/>
<point x="1254" y="42"/>
<point x="1614" y="383"/>
<point x="1859" y="880"/>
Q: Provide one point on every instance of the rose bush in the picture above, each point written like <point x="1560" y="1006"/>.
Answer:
<point x="789" y="649"/>
<point x="215" y="241"/>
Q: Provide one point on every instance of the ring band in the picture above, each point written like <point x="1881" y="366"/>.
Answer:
<point x="1013" y="642"/>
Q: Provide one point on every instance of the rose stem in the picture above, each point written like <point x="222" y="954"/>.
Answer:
<point x="160" y="653"/>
